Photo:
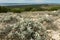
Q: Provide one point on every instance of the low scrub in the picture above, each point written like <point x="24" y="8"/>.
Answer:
<point x="19" y="10"/>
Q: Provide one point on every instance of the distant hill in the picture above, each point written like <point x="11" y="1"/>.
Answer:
<point x="19" y="4"/>
<point x="12" y="4"/>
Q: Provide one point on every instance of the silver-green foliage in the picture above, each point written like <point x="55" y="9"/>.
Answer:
<point x="25" y="29"/>
<point x="29" y="30"/>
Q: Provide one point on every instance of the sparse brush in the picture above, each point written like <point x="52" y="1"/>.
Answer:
<point x="4" y="32"/>
<point x="28" y="30"/>
<point x="47" y="18"/>
<point x="9" y="19"/>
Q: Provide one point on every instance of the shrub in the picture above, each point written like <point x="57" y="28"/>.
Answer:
<point x="33" y="9"/>
<point x="3" y="9"/>
<point x="29" y="30"/>
<point x="26" y="30"/>
<point x="28" y="8"/>
<point x="16" y="10"/>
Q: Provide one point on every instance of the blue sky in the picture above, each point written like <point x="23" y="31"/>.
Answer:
<point x="29" y="1"/>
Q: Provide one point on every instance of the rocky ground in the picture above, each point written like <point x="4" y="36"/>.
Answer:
<point x="50" y="21"/>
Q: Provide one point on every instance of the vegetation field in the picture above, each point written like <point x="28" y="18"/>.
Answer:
<point x="37" y="25"/>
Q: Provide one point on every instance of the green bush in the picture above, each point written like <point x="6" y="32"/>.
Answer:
<point x="53" y="8"/>
<point x="16" y="10"/>
<point x="4" y="9"/>
<point x="33" y="9"/>
<point x="28" y="8"/>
